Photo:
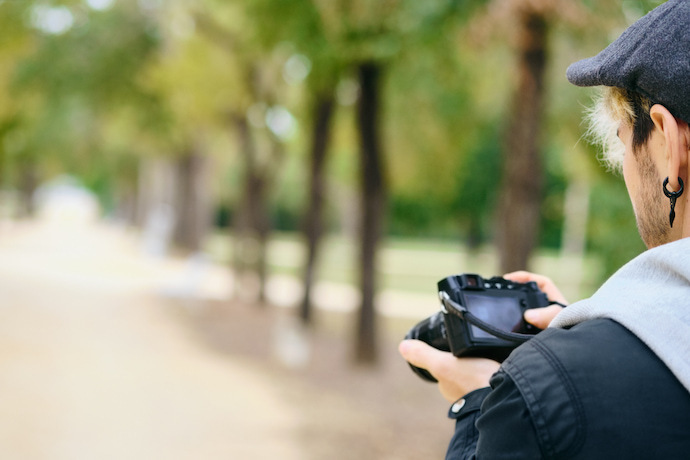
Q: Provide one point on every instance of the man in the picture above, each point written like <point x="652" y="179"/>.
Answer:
<point x="610" y="377"/>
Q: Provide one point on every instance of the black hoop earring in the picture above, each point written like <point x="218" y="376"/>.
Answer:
<point x="673" y="196"/>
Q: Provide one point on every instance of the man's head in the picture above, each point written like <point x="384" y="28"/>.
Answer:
<point x="639" y="117"/>
<point x="620" y="121"/>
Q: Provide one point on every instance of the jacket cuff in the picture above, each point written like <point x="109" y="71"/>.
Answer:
<point x="468" y="404"/>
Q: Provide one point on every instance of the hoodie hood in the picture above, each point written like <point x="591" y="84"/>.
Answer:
<point x="650" y="296"/>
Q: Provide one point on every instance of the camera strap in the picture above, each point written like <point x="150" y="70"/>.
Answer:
<point x="458" y="310"/>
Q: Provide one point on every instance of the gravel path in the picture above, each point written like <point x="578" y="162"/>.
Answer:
<point x="94" y="366"/>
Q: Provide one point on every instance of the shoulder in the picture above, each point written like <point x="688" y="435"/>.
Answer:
<point x="598" y="348"/>
<point x="542" y="373"/>
<point x="577" y="383"/>
<point x="591" y="346"/>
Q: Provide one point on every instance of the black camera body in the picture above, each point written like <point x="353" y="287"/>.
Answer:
<point x="479" y="317"/>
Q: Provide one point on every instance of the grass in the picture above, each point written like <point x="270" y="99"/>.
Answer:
<point x="414" y="265"/>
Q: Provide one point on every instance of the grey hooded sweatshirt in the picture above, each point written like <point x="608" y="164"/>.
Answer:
<point x="650" y="296"/>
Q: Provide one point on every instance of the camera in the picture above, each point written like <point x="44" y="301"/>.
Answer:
<point x="479" y="317"/>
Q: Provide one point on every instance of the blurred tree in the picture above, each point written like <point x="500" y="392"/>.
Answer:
<point x="322" y="87"/>
<point x="351" y="34"/>
<point x="322" y="114"/>
<point x="80" y="77"/>
<point x="260" y="121"/>
<point x="520" y="197"/>
<point x="521" y="193"/>
<point x="364" y="38"/>
<point x="445" y="104"/>
<point x="314" y="59"/>
<point x="371" y="37"/>
<point x="18" y="42"/>
<point x="373" y="202"/>
<point x="188" y="75"/>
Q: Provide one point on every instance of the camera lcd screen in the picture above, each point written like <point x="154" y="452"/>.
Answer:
<point x="501" y="312"/>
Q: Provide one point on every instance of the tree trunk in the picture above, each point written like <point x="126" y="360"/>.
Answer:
<point x="193" y="207"/>
<point x="373" y="206"/>
<point x="240" y="221"/>
<point x="252" y="222"/>
<point x="313" y="223"/>
<point x="28" y="183"/>
<point x="521" y="191"/>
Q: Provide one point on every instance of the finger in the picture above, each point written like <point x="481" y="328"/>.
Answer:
<point x="542" y="317"/>
<point x="524" y="277"/>
<point x="543" y="282"/>
<point x="520" y="276"/>
<point x="422" y="355"/>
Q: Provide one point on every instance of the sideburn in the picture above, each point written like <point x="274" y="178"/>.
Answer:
<point x="652" y="215"/>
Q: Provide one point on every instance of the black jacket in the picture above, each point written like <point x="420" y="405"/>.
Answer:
<point x="591" y="392"/>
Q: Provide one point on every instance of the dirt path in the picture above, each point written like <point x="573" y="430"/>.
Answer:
<point x="96" y="364"/>
<point x="93" y="365"/>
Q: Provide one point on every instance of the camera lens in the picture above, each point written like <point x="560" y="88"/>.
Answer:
<point x="432" y="331"/>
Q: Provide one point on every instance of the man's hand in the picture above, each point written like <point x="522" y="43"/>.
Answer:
<point x="456" y="376"/>
<point x="459" y="376"/>
<point x="540" y="317"/>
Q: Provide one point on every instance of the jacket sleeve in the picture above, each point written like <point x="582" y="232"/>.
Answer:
<point x="493" y="423"/>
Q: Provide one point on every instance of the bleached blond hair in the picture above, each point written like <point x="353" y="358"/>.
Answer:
<point x="612" y="107"/>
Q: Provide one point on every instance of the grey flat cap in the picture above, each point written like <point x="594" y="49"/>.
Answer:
<point x="652" y="57"/>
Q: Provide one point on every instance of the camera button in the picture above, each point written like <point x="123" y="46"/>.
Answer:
<point x="457" y="407"/>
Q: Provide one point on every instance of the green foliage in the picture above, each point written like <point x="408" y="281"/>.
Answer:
<point x="410" y="216"/>
<point x="76" y="91"/>
<point x="612" y="230"/>
<point x="477" y="179"/>
<point x="96" y="60"/>
<point x="143" y="79"/>
<point x="552" y="212"/>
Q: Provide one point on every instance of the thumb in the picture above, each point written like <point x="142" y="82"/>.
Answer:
<point x="541" y="317"/>
<point x="421" y="354"/>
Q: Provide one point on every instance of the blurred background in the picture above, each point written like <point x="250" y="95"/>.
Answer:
<point x="219" y="217"/>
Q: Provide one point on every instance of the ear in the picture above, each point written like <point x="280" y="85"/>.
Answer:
<point x="675" y="133"/>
